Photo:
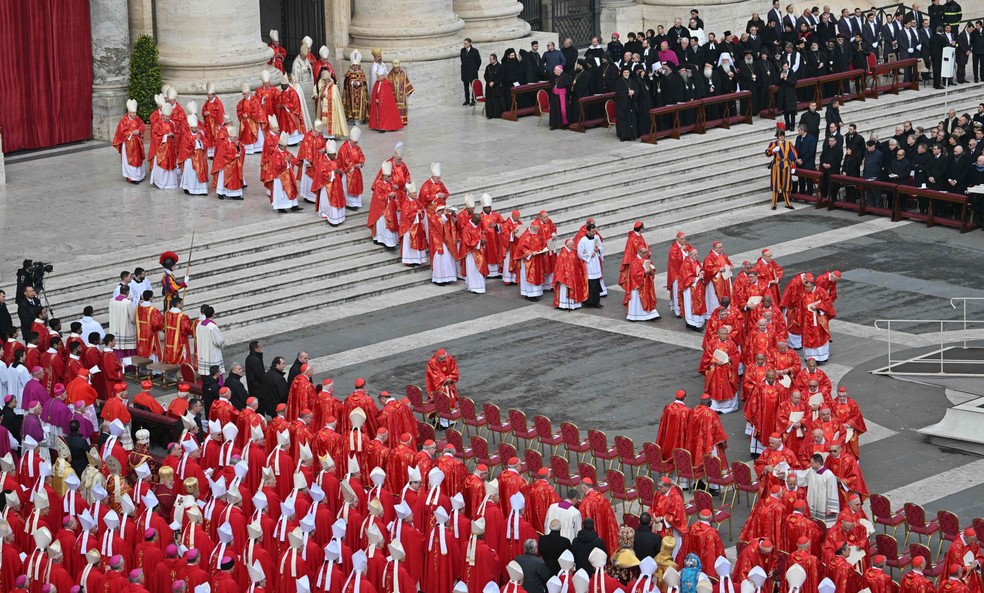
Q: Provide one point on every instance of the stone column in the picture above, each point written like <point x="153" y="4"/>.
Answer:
<point x="338" y="16"/>
<point x="217" y="41"/>
<point x="141" y="18"/>
<point x="409" y="30"/>
<point x="619" y="16"/>
<point x="491" y="20"/>
<point x="110" y="64"/>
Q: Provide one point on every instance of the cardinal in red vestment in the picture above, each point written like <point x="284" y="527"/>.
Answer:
<point x="721" y="376"/>
<point x="673" y="426"/>
<point x="876" y="579"/>
<point x="705" y="434"/>
<point x="481" y="562"/>
<point x="668" y="511"/>
<point x="808" y="562"/>
<point x="384" y="115"/>
<point x="702" y="539"/>
<point x="570" y="278"/>
<point x="633" y="244"/>
<point x="540" y="496"/>
<point x="766" y="517"/>
<point x="128" y="141"/>
<point x="758" y="552"/>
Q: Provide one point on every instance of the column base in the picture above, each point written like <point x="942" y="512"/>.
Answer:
<point x="491" y="21"/>
<point x="108" y="107"/>
<point x="189" y="75"/>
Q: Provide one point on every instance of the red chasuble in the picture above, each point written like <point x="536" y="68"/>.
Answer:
<point x="129" y="133"/>
<point x="570" y="271"/>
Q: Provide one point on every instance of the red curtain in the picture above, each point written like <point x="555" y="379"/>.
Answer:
<point x="45" y="73"/>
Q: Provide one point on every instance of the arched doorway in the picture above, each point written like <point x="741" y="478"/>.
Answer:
<point x="294" y="19"/>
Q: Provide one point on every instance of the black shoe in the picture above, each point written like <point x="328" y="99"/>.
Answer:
<point x="187" y="193"/>
<point x="296" y="208"/>
<point x="789" y="208"/>
<point x="282" y="210"/>
<point x="773" y="207"/>
<point x="465" y="103"/>
<point x="472" y="103"/>
<point x="221" y="196"/>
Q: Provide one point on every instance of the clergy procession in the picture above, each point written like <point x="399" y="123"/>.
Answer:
<point x="280" y="484"/>
<point x="325" y="127"/>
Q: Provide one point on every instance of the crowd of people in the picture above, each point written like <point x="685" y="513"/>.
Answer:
<point x="948" y="158"/>
<point x="278" y="484"/>
<point x="325" y="170"/>
<point x="681" y="63"/>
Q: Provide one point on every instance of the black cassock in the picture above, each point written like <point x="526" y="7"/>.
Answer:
<point x="627" y="107"/>
<point x="559" y="82"/>
<point x="512" y="72"/>
<point x="644" y="104"/>
<point x="582" y="86"/>
<point x="493" y="93"/>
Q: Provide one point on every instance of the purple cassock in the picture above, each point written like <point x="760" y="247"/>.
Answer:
<point x="85" y="426"/>
<point x="56" y="413"/>
<point x="34" y="391"/>
<point x="4" y="441"/>
<point x="31" y="426"/>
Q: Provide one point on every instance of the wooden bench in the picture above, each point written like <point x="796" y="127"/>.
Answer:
<point x="862" y="205"/>
<point x="935" y="198"/>
<point x="163" y="428"/>
<point x="726" y="116"/>
<point x="515" y="111"/>
<point x="816" y="177"/>
<point x="584" y="103"/>
<point x="896" y="81"/>
<point x="676" y="128"/>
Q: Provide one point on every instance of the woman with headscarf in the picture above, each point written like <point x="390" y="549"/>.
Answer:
<point x="691" y="574"/>
<point x="560" y="88"/>
<point x="512" y="74"/>
<point x="626" y="103"/>
<point x="644" y="101"/>
<point x="493" y="88"/>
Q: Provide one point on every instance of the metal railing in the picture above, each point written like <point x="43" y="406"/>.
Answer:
<point x="937" y="358"/>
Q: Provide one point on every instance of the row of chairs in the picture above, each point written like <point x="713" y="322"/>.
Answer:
<point x="594" y="456"/>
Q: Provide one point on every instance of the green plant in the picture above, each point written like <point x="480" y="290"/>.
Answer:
<point x="145" y="75"/>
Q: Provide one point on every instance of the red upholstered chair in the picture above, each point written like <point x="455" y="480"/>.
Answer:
<point x="611" y="113"/>
<point x="744" y="482"/>
<point x="426" y="432"/>
<point x="655" y="462"/>
<point x="618" y="491"/>
<point x="507" y="452"/>
<point x="627" y="455"/>
<point x="646" y="488"/>
<point x="588" y="471"/>
<point x="417" y="403"/>
<point x="719" y="515"/>
<point x="630" y="520"/>
<point x="915" y="517"/>
<point x="454" y="437"/>
<point x="739" y="546"/>
<point x="478" y="95"/>
<point x="978" y="524"/>
<point x="480" y="447"/>
<point x="600" y="449"/>
<point x="542" y="105"/>
<point x="442" y="404"/>
<point x="685" y="469"/>
<point x="930" y="571"/>
<point x="493" y="418"/>
<point x="573" y="442"/>
<point x="562" y="472"/>
<point x="949" y="528"/>
<point x="545" y="434"/>
<point x="471" y="416"/>
<point x="520" y="428"/>
<point x="881" y="511"/>
<point x="534" y="461"/>
<point x="719" y="476"/>
<point x="887" y="546"/>
<point x="190" y="376"/>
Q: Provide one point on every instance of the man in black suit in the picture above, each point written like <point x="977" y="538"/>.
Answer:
<point x="552" y="545"/>
<point x="470" y="63"/>
<point x="936" y="44"/>
<point x="871" y="36"/>
<point x="28" y="308"/>
<point x="776" y="15"/>
<point x="6" y="323"/>
<point x="646" y="543"/>
<point x="965" y="46"/>
<point x="755" y="21"/>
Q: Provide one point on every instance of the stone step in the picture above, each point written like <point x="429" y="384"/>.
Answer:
<point x="631" y="169"/>
<point x="363" y="254"/>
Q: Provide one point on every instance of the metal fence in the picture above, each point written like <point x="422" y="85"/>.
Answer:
<point x="577" y="19"/>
